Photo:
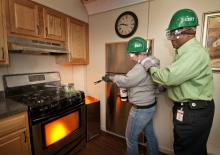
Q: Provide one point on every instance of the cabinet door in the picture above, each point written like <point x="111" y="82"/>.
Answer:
<point x="14" y="143"/>
<point x="3" y="38"/>
<point x="23" y="17"/>
<point x="78" y="42"/>
<point x="55" y="25"/>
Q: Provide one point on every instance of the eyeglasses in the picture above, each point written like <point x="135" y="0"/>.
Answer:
<point x="172" y="35"/>
<point x="175" y="34"/>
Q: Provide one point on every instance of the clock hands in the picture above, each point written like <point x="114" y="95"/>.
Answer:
<point x="123" y="24"/>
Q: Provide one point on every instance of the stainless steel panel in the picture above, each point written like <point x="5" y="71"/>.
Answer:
<point x="116" y="110"/>
<point x="118" y="62"/>
<point x="117" y="59"/>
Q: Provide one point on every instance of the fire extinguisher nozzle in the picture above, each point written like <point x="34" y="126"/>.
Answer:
<point x="96" y="82"/>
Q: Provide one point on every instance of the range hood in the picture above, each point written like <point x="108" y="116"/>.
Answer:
<point x="31" y="46"/>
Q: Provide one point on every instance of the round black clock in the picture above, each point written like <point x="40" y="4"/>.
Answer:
<point x="126" y="24"/>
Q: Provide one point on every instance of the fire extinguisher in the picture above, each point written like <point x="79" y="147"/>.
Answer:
<point x="123" y="94"/>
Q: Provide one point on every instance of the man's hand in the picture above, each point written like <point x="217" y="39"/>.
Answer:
<point x="106" y="78"/>
<point x="147" y="64"/>
<point x="150" y="62"/>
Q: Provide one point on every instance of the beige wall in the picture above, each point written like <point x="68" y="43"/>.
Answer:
<point x="25" y="63"/>
<point x="102" y="31"/>
<point x="21" y="63"/>
<point x="73" y="8"/>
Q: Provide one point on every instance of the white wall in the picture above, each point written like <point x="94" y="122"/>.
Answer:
<point x="102" y="31"/>
<point x="21" y="63"/>
<point x="25" y="63"/>
<point x="73" y="8"/>
<point x="97" y="6"/>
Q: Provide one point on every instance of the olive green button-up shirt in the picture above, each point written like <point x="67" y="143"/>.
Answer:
<point x="189" y="77"/>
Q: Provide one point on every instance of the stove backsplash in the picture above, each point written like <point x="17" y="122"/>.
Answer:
<point x="24" y="63"/>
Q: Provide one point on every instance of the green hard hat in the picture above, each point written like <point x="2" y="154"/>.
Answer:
<point x="137" y="45"/>
<point x="183" y="18"/>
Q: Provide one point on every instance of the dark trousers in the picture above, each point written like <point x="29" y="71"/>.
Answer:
<point x="191" y="134"/>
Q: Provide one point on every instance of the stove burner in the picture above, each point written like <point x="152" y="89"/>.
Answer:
<point x="43" y="97"/>
<point x="44" y="102"/>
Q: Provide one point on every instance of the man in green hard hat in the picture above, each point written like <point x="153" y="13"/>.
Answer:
<point x="189" y="82"/>
<point x="142" y="96"/>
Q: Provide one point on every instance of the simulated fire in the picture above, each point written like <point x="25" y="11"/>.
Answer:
<point x="60" y="128"/>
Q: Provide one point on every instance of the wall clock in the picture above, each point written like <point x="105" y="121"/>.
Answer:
<point x="126" y="24"/>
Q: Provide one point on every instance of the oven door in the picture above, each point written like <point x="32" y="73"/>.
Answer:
<point x="60" y="134"/>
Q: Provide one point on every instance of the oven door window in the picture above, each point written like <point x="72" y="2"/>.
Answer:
<point x="60" y="128"/>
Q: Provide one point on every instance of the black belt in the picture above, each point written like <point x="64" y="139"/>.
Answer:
<point x="145" y="106"/>
<point x="194" y="104"/>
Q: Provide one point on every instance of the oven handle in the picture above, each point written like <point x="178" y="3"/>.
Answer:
<point x="58" y="115"/>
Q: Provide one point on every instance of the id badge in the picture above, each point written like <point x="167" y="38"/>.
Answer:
<point x="179" y="115"/>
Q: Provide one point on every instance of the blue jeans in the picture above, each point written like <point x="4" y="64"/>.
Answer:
<point x="140" y="120"/>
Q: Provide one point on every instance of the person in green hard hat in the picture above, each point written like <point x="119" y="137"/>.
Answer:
<point x="142" y="96"/>
<point x="189" y="83"/>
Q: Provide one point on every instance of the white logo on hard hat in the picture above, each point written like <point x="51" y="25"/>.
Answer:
<point x="137" y="45"/>
<point x="187" y="19"/>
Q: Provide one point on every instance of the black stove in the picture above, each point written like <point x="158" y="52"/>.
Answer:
<point x="43" y="103"/>
<point x="42" y="93"/>
<point x="52" y="110"/>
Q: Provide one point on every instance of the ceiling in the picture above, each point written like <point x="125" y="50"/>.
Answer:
<point x="98" y="6"/>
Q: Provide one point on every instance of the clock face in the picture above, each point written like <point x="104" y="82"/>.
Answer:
<point x="126" y="24"/>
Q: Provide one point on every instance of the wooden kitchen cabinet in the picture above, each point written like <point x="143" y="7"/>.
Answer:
<point x="3" y="35"/>
<point x="23" y="16"/>
<point x="77" y="43"/>
<point x="26" y="18"/>
<point x="55" y="25"/>
<point x="14" y="135"/>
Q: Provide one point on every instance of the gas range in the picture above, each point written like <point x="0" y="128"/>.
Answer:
<point x="45" y="103"/>
<point x="42" y="93"/>
<point x="57" y="118"/>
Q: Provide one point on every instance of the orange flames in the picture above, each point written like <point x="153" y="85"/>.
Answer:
<point x="60" y="128"/>
<point x="89" y="100"/>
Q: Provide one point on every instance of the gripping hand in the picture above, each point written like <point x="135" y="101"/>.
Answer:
<point x="106" y="78"/>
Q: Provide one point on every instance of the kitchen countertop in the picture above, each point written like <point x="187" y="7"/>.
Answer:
<point x="9" y="107"/>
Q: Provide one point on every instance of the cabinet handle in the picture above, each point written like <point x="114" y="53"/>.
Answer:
<point x="46" y="31"/>
<point x="3" y="53"/>
<point x="25" y="137"/>
<point x="38" y="29"/>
